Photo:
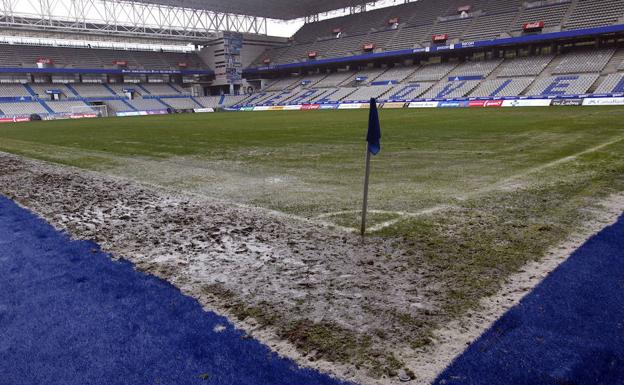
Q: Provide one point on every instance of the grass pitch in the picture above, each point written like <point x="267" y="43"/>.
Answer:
<point x="474" y="194"/>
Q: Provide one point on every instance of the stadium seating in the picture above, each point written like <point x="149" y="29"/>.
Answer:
<point x="525" y="66"/>
<point x="13" y="90"/>
<point x="66" y="107"/>
<point x="23" y="109"/>
<point x="450" y="89"/>
<point x="285" y="83"/>
<point x="503" y="87"/>
<point x="613" y="83"/>
<point x="589" y="13"/>
<point x="335" y="95"/>
<point x="94" y="90"/>
<point x="181" y="103"/>
<point x="396" y="74"/>
<point x="432" y="72"/>
<point x="365" y="93"/>
<point x="477" y="68"/>
<point x="486" y="74"/>
<point x="147" y="104"/>
<point x="65" y="57"/>
<point x="551" y="14"/>
<point x="115" y="106"/>
<point x="159" y="89"/>
<point x="556" y="85"/>
<point x="365" y="76"/>
<point x="334" y="79"/>
<point x="584" y="61"/>
<point x="418" y="21"/>
<point x="409" y="91"/>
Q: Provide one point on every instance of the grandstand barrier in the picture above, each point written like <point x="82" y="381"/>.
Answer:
<point x="15" y="120"/>
<point x="483" y="102"/>
<point x="142" y="113"/>
<point x="619" y="101"/>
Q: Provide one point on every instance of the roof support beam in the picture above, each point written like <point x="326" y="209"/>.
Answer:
<point x="124" y="18"/>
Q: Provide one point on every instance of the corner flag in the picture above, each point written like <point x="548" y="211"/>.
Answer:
<point x="374" y="129"/>
<point x="373" y="148"/>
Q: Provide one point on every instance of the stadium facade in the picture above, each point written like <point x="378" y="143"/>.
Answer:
<point x="446" y="53"/>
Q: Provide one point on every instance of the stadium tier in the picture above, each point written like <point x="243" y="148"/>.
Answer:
<point x="430" y="50"/>
<point x="578" y="72"/>
<point x="348" y="59"/>
<point x="26" y="56"/>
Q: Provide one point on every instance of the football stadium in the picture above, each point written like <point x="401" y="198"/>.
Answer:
<point x="330" y="192"/>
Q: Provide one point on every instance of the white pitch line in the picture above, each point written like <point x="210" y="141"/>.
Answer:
<point x="494" y="186"/>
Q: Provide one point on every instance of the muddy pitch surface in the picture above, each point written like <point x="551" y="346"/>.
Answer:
<point x="289" y="269"/>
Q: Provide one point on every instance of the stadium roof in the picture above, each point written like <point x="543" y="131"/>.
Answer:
<point x="272" y="9"/>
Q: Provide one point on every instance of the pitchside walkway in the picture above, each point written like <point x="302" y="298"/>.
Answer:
<point x="71" y="316"/>
<point x="569" y="330"/>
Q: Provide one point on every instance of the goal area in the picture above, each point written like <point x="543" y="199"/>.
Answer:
<point x="99" y="111"/>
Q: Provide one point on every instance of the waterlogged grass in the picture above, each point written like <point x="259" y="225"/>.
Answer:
<point x="506" y="185"/>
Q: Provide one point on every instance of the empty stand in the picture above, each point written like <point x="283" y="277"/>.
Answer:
<point x="66" y="57"/>
<point x="365" y="93"/>
<point x="613" y="83"/>
<point x="584" y="61"/>
<point x="591" y="13"/>
<point x="476" y="68"/>
<point x="23" y="109"/>
<point x="525" y="66"/>
<point x="451" y="89"/>
<point x="502" y="87"/>
<point x="557" y="85"/>
<point x="432" y="72"/>
<point x="409" y="91"/>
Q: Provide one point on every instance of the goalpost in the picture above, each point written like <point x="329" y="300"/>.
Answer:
<point x="101" y="111"/>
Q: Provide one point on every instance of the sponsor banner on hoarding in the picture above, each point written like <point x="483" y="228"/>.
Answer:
<point x="203" y="110"/>
<point x="276" y="108"/>
<point x="350" y="106"/>
<point x="129" y="113"/>
<point x="83" y="116"/>
<point x="603" y="102"/>
<point x="328" y="106"/>
<point x="493" y="103"/>
<point x="454" y="104"/>
<point x="261" y="108"/>
<point x="142" y="113"/>
<point x="156" y="112"/>
<point x="423" y="105"/>
<point x="308" y="107"/>
<point x="296" y="107"/>
<point x="247" y="108"/>
<point x="14" y="120"/>
<point x="527" y="103"/>
<point x="393" y="105"/>
<point x="485" y="103"/>
<point x="567" y="102"/>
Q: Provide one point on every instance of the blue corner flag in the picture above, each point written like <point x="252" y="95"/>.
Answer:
<point x="374" y="129"/>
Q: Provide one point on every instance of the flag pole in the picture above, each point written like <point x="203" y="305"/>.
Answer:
<point x="365" y="200"/>
<point x="373" y="146"/>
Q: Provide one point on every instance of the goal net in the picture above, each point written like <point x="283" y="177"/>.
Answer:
<point x="100" y="111"/>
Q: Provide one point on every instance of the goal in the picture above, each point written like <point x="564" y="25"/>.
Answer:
<point x="100" y="111"/>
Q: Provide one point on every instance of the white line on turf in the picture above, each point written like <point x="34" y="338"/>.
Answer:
<point x="403" y="214"/>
